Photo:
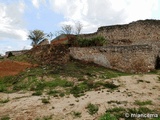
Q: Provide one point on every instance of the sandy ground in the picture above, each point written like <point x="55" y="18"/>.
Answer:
<point x="24" y="106"/>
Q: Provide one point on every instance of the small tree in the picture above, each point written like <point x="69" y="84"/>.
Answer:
<point x="67" y="29"/>
<point x="78" y="28"/>
<point x="36" y="36"/>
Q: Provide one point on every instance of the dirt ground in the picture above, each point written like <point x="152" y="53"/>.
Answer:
<point x="24" y="106"/>
<point x="8" y="67"/>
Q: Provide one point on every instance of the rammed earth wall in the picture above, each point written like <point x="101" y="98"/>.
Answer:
<point x="135" y="58"/>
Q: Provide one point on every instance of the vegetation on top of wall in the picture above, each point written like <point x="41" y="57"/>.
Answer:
<point x="88" y="42"/>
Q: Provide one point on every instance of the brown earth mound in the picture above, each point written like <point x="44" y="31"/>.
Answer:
<point x="50" y="54"/>
<point x="8" y="68"/>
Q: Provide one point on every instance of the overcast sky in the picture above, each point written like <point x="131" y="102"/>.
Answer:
<point x="18" y="17"/>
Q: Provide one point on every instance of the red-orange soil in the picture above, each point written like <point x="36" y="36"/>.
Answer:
<point x="8" y="68"/>
<point x="59" y="41"/>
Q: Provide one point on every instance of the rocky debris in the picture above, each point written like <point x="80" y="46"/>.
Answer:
<point x="50" y="54"/>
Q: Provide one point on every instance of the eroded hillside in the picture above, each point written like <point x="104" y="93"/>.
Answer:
<point x="77" y="91"/>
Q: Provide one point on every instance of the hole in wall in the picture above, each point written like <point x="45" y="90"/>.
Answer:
<point x="157" y="65"/>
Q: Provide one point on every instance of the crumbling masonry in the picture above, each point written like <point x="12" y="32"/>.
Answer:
<point x="132" y="47"/>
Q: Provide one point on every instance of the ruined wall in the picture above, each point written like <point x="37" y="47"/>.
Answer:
<point x="50" y="54"/>
<point x="135" y="58"/>
<point x="44" y="42"/>
<point x="63" y="39"/>
<point x="139" y="32"/>
<point x="16" y="53"/>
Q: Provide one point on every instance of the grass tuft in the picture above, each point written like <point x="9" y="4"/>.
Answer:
<point x="77" y="114"/>
<point x="45" y="101"/>
<point x="108" y="116"/>
<point x="4" y="101"/>
<point x="92" y="109"/>
<point x="143" y="103"/>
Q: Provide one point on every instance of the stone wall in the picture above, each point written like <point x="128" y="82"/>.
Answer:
<point x="63" y="39"/>
<point x="52" y="55"/>
<point x="16" y="53"/>
<point x="139" y="32"/>
<point x="44" y="42"/>
<point x="135" y="58"/>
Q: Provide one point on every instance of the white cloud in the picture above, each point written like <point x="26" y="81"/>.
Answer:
<point x="95" y="13"/>
<point x="4" y="48"/>
<point x="11" y="21"/>
<point x="36" y="3"/>
<point x="140" y="9"/>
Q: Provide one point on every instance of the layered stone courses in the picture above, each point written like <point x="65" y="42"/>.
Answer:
<point x="134" y="58"/>
<point x="148" y="30"/>
<point x="139" y="32"/>
<point x="132" y="47"/>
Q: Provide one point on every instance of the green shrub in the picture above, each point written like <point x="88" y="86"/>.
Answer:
<point x="40" y="86"/>
<point x="5" y="118"/>
<point x="61" y="94"/>
<point x="75" y="91"/>
<point x="2" y="88"/>
<point x="140" y="110"/>
<point x="20" y="86"/>
<point x="68" y="84"/>
<point x="79" y="89"/>
<point x="116" y="109"/>
<point x="47" y="118"/>
<point x="108" y="116"/>
<point x="92" y="109"/>
<point x="53" y="92"/>
<point x="87" y="42"/>
<point x="45" y="101"/>
<point x="142" y="103"/>
<point x="98" y="41"/>
<point x="77" y="114"/>
<point x="59" y="82"/>
<point x="110" y="85"/>
<point x="4" y="101"/>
